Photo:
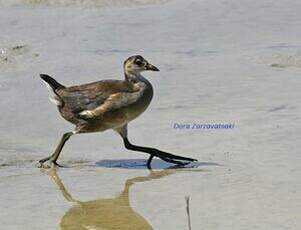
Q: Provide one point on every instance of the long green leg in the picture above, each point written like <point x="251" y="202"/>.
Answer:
<point x="53" y="158"/>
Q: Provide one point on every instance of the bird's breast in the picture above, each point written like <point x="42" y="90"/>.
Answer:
<point x="143" y="101"/>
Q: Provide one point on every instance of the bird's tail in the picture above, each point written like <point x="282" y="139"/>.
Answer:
<point x="53" y="86"/>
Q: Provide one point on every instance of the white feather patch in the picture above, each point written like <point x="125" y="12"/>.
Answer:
<point x="52" y="96"/>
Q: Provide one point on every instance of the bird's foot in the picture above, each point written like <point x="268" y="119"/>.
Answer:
<point x="177" y="160"/>
<point x="48" y="162"/>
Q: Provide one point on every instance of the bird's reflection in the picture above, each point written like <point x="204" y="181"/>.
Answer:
<point x="115" y="213"/>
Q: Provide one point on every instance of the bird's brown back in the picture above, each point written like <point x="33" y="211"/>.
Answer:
<point x="89" y="96"/>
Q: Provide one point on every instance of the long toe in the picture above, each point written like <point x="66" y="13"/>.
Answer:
<point x="189" y="159"/>
<point x="175" y="161"/>
<point x="44" y="160"/>
<point x="174" y="157"/>
<point x="57" y="164"/>
<point x="48" y="163"/>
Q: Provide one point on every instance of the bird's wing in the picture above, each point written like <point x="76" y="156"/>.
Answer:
<point x="113" y="102"/>
<point x="99" y="96"/>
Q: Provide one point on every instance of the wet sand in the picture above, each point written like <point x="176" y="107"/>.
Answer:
<point x="221" y="62"/>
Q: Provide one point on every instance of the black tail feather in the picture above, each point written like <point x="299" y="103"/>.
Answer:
<point x="52" y="83"/>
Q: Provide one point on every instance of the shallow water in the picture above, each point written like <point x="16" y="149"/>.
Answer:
<point x="218" y="63"/>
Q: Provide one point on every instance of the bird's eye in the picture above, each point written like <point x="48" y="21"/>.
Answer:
<point x="138" y="62"/>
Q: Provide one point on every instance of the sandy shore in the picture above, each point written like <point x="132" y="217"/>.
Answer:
<point x="221" y="62"/>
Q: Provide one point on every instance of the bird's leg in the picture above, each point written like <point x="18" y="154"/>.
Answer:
<point x="157" y="153"/>
<point x="53" y="158"/>
<point x="149" y="161"/>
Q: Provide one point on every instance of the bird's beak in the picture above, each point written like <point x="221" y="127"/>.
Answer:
<point x="151" y="67"/>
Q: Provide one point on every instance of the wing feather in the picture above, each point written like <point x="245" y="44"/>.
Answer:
<point x="101" y="96"/>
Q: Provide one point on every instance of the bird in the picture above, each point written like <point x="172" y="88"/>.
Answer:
<point x="105" y="105"/>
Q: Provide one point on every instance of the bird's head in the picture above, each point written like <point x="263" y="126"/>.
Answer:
<point x="134" y="65"/>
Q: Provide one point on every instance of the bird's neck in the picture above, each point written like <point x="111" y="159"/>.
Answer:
<point x="135" y="77"/>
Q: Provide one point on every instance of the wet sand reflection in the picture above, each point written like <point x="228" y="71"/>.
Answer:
<point x="115" y="213"/>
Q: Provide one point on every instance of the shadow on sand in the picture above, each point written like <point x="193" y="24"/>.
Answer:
<point x="141" y="164"/>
